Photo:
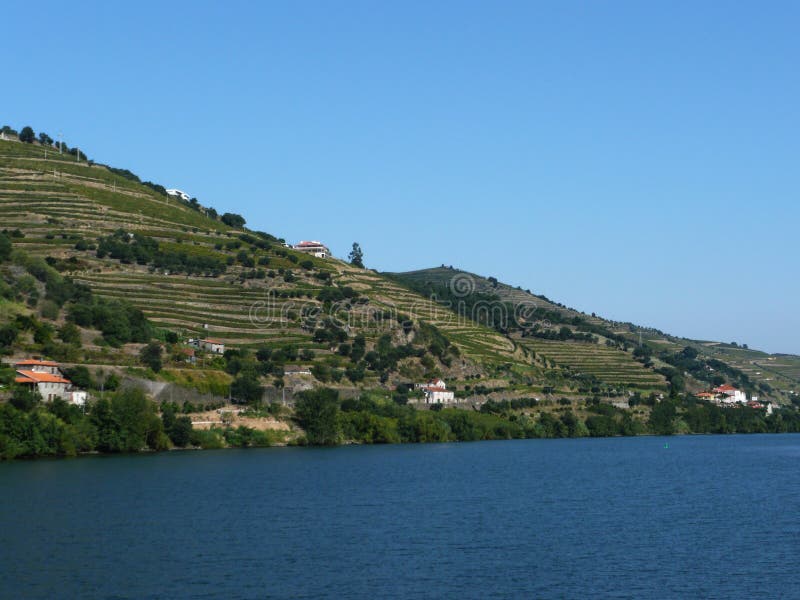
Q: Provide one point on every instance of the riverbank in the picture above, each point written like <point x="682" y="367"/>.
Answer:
<point x="127" y="421"/>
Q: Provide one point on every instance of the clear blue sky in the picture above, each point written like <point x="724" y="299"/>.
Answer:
<point x="635" y="159"/>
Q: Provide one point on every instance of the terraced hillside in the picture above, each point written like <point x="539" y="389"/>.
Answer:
<point x="62" y="209"/>
<point x="247" y="289"/>
<point x="609" y="357"/>
<point x="606" y="355"/>
<point x="610" y="365"/>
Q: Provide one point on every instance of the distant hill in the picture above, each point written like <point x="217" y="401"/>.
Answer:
<point x="613" y="356"/>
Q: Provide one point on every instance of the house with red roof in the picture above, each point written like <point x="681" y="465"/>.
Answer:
<point x="436" y="392"/>
<point x="45" y="377"/>
<point x="314" y="248"/>
<point x="728" y="394"/>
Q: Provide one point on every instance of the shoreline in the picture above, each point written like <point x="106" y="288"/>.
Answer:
<point x="350" y="443"/>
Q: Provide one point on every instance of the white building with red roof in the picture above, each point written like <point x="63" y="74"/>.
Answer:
<point x="45" y="377"/>
<point x="436" y="392"/>
<point x="314" y="248"/>
<point x="730" y="395"/>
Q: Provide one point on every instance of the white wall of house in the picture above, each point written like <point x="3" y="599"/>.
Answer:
<point x="50" y="391"/>
<point x="439" y="396"/>
<point x="213" y="347"/>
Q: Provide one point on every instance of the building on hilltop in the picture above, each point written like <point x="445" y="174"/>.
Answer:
<point x="314" y="248"/>
<point x="179" y="194"/>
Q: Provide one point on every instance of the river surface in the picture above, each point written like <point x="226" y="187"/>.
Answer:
<point x="648" y="517"/>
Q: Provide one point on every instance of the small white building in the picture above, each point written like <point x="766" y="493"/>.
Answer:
<point x="436" y="392"/>
<point x="314" y="248"/>
<point x="208" y="345"/>
<point x="213" y="346"/>
<point x="179" y="194"/>
<point x="78" y="397"/>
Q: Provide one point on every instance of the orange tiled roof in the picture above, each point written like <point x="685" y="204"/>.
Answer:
<point x="726" y="388"/>
<point x="33" y="376"/>
<point x="38" y="363"/>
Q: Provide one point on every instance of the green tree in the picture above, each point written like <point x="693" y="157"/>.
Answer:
<point x="181" y="432"/>
<point x="80" y="376"/>
<point x="8" y="335"/>
<point x="27" y="135"/>
<point x="128" y="423"/>
<point x="5" y="247"/>
<point x="179" y="429"/>
<point x="150" y="356"/>
<point x="317" y="411"/>
<point x="70" y="334"/>
<point x="233" y="220"/>
<point x="24" y="398"/>
<point x="356" y="256"/>
<point x="246" y="388"/>
<point x="662" y="418"/>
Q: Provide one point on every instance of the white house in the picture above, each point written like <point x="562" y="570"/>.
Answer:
<point x="314" y="248"/>
<point x="213" y="346"/>
<point x="730" y="395"/>
<point x="45" y="377"/>
<point x="179" y="194"/>
<point x="436" y="392"/>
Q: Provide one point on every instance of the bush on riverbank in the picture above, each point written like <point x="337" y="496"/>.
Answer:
<point x="126" y="421"/>
<point x="370" y="420"/>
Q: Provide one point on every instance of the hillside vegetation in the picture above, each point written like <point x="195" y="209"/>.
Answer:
<point x="112" y="276"/>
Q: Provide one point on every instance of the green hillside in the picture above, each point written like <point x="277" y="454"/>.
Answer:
<point x="194" y="275"/>
<point x="198" y="277"/>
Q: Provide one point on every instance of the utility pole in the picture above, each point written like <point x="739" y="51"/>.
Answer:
<point x="60" y="142"/>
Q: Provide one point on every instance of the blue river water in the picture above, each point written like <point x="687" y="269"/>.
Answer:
<point x="648" y="517"/>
